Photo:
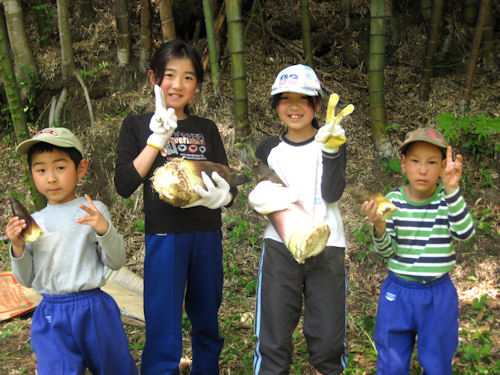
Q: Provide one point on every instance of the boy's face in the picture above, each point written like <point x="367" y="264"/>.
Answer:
<point x="422" y="164"/>
<point x="55" y="175"/>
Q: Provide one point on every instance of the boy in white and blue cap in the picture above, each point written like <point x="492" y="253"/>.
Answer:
<point x="77" y="325"/>
<point x="314" y="173"/>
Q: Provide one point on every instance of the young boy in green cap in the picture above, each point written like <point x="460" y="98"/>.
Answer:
<point x="418" y="298"/>
<point x="77" y="325"/>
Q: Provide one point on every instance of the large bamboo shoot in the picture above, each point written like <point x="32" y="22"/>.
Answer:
<point x="175" y="181"/>
<point x="300" y="233"/>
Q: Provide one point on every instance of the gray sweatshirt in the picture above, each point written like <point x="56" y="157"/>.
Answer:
<point x="69" y="257"/>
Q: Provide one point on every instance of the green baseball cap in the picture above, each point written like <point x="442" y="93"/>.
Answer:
<point x="429" y="135"/>
<point x="61" y="137"/>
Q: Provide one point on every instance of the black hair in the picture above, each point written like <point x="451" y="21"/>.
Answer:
<point x="41" y="147"/>
<point x="171" y="50"/>
<point x="312" y="100"/>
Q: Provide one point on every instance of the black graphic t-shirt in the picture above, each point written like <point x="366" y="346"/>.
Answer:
<point x="195" y="138"/>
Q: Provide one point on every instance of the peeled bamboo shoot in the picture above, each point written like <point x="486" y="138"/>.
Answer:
<point x="176" y="179"/>
<point x="385" y="207"/>
<point x="32" y="232"/>
<point x="302" y="236"/>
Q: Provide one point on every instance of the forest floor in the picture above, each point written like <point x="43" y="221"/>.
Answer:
<point x="476" y="274"/>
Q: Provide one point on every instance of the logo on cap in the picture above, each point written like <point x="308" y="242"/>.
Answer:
<point x="432" y="133"/>
<point x="46" y="131"/>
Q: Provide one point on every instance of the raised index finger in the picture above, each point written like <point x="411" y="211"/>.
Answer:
<point x="159" y="99"/>
<point x="449" y="155"/>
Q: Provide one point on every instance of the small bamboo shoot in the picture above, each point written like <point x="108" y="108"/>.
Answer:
<point x="32" y="232"/>
<point x="385" y="207"/>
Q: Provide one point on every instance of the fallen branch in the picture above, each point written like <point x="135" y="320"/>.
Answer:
<point x="87" y="96"/>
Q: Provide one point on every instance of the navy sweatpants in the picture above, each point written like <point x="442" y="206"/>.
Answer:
<point x="72" y="332"/>
<point x="409" y="309"/>
<point x="178" y="265"/>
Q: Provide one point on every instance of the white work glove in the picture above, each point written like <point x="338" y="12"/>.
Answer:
<point x="332" y="135"/>
<point x="269" y="197"/>
<point x="163" y="123"/>
<point x="215" y="196"/>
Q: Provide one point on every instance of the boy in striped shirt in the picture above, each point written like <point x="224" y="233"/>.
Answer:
<point x="418" y="299"/>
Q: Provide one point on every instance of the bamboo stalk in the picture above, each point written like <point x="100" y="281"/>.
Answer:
<point x="432" y="44"/>
<point x="306" y="32"/>
<point x="238" y="71"/>
<point x="212" y="45"/>
<point x="476" y="44"/>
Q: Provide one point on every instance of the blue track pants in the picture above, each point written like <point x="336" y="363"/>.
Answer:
<point x="72" y="332"/>
<point x="178" y="266"/>
<point x="409" y="309"/>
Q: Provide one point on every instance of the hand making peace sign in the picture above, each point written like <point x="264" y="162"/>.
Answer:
<point x="452" y="171"/>
<point x="94" y="218"/>
<point x="163" y="123"/>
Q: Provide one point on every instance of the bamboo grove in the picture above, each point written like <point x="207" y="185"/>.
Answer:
<point x="225" y="23"/>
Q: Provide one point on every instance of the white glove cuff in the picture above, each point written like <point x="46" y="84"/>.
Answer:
<point x="157" y="141"/>
<point x="329" y="150"/>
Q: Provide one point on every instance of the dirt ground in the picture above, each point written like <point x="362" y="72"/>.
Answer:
<point x="342" y="69"/>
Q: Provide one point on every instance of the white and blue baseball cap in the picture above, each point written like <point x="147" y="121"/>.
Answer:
<point x="297" y="78"/>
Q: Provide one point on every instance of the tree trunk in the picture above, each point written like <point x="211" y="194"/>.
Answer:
<point x="426" y="9"/>
<point x="146" y="39"/>
<point x="432" y="44"/>
<point x="212" y="45"/>
<point x="476" y="44"/>
<point x="306" y="32"/>
<point x="123" y="32"/>
<point x="167" y="20"/>
<point x="24" y="61"/>
<point x="238" y="72"/>
<point x="376" y="85"/>
<point x="16" y="109"/>
<point x="67" y="60"/>
<point x="470" y="12"/>
<point x="394" y="29"/>
<point x="488" y="51"/>
<point x="346" y="13"/>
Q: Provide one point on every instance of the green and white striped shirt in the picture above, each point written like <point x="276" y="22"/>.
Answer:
<point x="417" y="239"/>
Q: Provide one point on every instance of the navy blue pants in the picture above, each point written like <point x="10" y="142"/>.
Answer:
<point x="182" y="266"/>
<point x="72" y="332"/>
<point x="409" y="309"/>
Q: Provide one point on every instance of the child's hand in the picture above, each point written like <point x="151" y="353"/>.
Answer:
<point x="13" y="230"/>
<point x="216" y="195"/>
<point x="370" y="209"/>
<point x="452" y="171"/>
<point x="163" y="123"/>
<point x="332" y="135"/>
<point x="95" y="219"/>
